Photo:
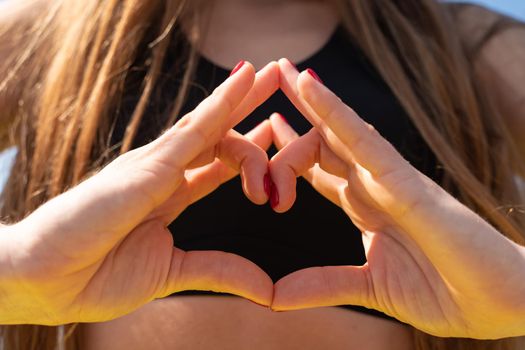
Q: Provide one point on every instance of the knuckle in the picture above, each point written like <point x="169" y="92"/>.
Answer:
<point x="228" y="103"/>
<point x="218" y="150"/>
<point x="361" y="140"/>
<point x="327" y="281"/>
<point x="223" y="100"/>
<point x="199" y="136"/>
<point x="256" y="93"/>
<point x="183" y="122"/>
<point x="332" y="112"/>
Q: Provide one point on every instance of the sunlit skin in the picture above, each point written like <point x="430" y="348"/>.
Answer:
<point x="102" y="249"/>
<point x="432" y="262"/>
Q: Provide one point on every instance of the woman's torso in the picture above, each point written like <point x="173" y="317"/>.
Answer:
<point x="313" y="233"/>
<point x="210" y="322"/>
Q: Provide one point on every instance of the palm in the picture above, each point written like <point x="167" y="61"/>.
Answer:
<point x="133" y="272"/>
<point x="403" y="282"/>
<point x="406" y="285"/>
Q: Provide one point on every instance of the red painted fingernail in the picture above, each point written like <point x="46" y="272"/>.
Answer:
<point x="283" y="118"/>
<point x="274" y="196"/>
<point x="268" y="185"/>
<point x="314" y="74"/>
<point x="237" y="67"/>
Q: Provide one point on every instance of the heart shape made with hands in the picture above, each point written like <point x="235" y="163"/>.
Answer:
<point x="262" y="179"/>
<point x="348" y="162"/>
<point x="308" y="156"/>
<point x="407" y="221"/>
<point x="113" y="238"/>
<point x="243" y="154"/>
<point x="297" y="156"/>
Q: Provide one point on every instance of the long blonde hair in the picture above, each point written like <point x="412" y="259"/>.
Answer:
<point x="61" y="90"/>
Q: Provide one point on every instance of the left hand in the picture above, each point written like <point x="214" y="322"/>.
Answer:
<point x="101" y="249"/>
<point x="432" y="262"/>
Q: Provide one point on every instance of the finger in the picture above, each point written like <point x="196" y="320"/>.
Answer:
<point x="160" y="165"/>
<point x="296" y="159"/>
<point x="288" y="77"/>
<point x="219" y="272"/>
<point x="359" y="138"/>
<point x="202" y="181"/>
<point x="324" y="286"/>
<point x="237" y="154"/>
<point x="261" y="135"/>
<point x="288" y="83"/>
<point x="250" y="161"/>
<point x="107" y="206"/>
<point x="232" y="138"/>
<point x="265" y="85"/>
<point x="282" y="132"/>
<point x="244" y="156"/>
<point x="287" y="136"/>
<point x="207" y="123"/>
<point x="326" y="184"/>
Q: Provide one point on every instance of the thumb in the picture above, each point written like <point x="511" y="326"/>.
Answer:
<point x="219" y="272"/>
<point x="323" y="286"/>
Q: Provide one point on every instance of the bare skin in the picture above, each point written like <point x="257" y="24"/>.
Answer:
<point x="103" y="248"/>
<point x="263" y="31"/>
<point x="209" y="322"/>
<point x="294" y="29"/>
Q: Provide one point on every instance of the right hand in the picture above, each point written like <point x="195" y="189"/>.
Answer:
<point x="432" y="262"/>
<point x="102" y="249"/>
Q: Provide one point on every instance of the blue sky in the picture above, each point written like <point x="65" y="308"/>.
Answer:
<point x="515" y="8"/>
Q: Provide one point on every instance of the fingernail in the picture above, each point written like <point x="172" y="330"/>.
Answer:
<point x="237" y="67"/>
<point x="283" y="118"/>
<point x="267" y="185"/>
<point x="314" y="74"/>
<point x="274" y="196"/>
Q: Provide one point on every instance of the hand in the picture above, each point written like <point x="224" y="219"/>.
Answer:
<point x="102" y="249"/>
<point x="432" y="262"/>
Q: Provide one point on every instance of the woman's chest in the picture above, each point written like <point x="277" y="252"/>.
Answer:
<point x="194" y="323"/>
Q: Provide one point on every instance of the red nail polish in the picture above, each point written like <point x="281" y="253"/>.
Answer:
<point x="237" y="67"/>
<point x="267" y="185"/>
<point x="314" y="74"/>
<point x="274" y="196"/>
<point x="283" y="118"/>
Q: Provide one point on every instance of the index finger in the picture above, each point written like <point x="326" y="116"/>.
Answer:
<point x="207" y="123"/>
<point x="288" y="78"/>
<point x="366" y="146"/>
<point x="105" y="207"/>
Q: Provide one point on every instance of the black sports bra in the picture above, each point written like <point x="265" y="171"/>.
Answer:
<point x="314" y="232"/>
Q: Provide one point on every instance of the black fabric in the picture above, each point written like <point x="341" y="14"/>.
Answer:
<point x="314" y="232"/>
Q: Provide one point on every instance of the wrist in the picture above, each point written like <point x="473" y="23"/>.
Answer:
<point x="6" y="246"/>
<point x="515" y="326"/>
<point x="13" y="291"/>
<point x="22" y="286"/>
<point x="7" y="279"/>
